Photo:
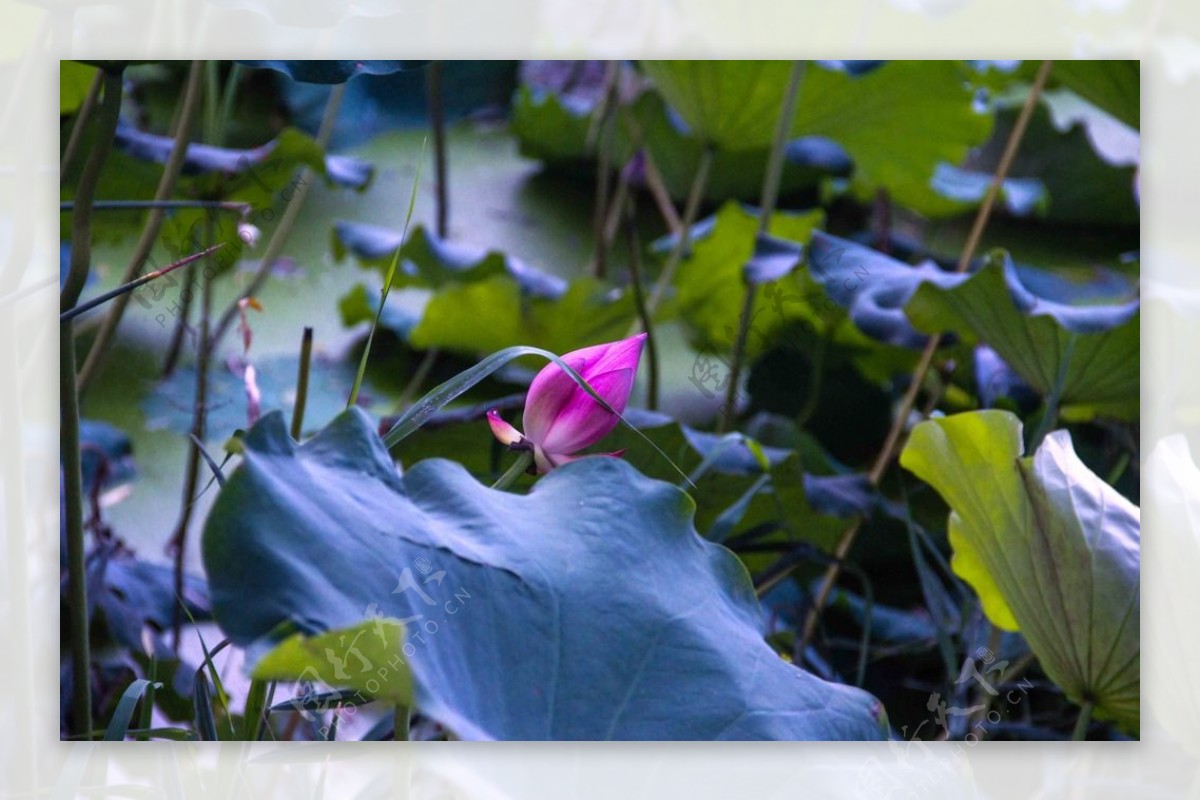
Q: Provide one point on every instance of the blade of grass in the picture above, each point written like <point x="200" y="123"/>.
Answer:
<point x="206" y="724"/>
<point x="205" y="709"/>
<point x="387" y="283"/>
<point x="118" y="727"/>
<point x="319" y="702"/>
<point x="254" y="714"/>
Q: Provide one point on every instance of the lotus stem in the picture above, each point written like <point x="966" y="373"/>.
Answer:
<point x="437" y="121"/>
<point x="81" y="253"/>
<point x="770" y="195"/>
<point x="302" y="383"/>
<point x="524" y="459"/>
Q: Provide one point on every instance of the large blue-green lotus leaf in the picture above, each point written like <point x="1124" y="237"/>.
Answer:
<point x="334" y="71"/>
<point x="1050" y="548"/>
<point x="589" y="609"/>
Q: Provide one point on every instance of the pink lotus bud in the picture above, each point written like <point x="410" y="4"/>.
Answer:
<point x="561" y="418"/>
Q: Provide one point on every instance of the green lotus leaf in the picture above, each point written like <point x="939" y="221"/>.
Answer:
<point x="1049" y="547"/>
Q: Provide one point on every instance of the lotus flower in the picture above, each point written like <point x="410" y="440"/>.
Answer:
<point x="561" y="418"/>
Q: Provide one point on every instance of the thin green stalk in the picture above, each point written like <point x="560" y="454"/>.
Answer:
<point x="81" y="694"/>
<point x="175" y="348"/>
<point x="683" y="240"/>
<point x="817" y="374"/>
<point x="1050" y="412"/>
<point x="524" y="459"/>
<point x="770" y="194"/>
<point x="302" y="383"/>
<point x="228" y="98"/>
<point x="401" y="730"/>
<point x="81" y="222"/>
<point x="607" y="139"/>
<point x="1083" y="722"/>
<point x="127" y="205"/>
<point x="212" y="94"/>
<point x="141" y="251"/>
<point x="437" y="120"/>
<point x="418" y="378"/>
<point x="639" y="300"/>
<point x="204" y="352"/>
<point x="81" y="241"/>
<point x="100" y="300"/>
<point x="286" y="222"/>
<point x="81" y="120"/>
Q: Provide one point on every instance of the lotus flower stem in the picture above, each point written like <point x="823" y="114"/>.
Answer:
<point x="891" y="444"/>
<point x="524" y="459"/>
<point x="770" y="194"/>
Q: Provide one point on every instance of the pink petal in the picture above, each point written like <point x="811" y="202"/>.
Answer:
<point x="582" y="421"/>
<point x="502" y="430"/>
<point x="554" y="393"/>
<point x="544" y="463"/>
